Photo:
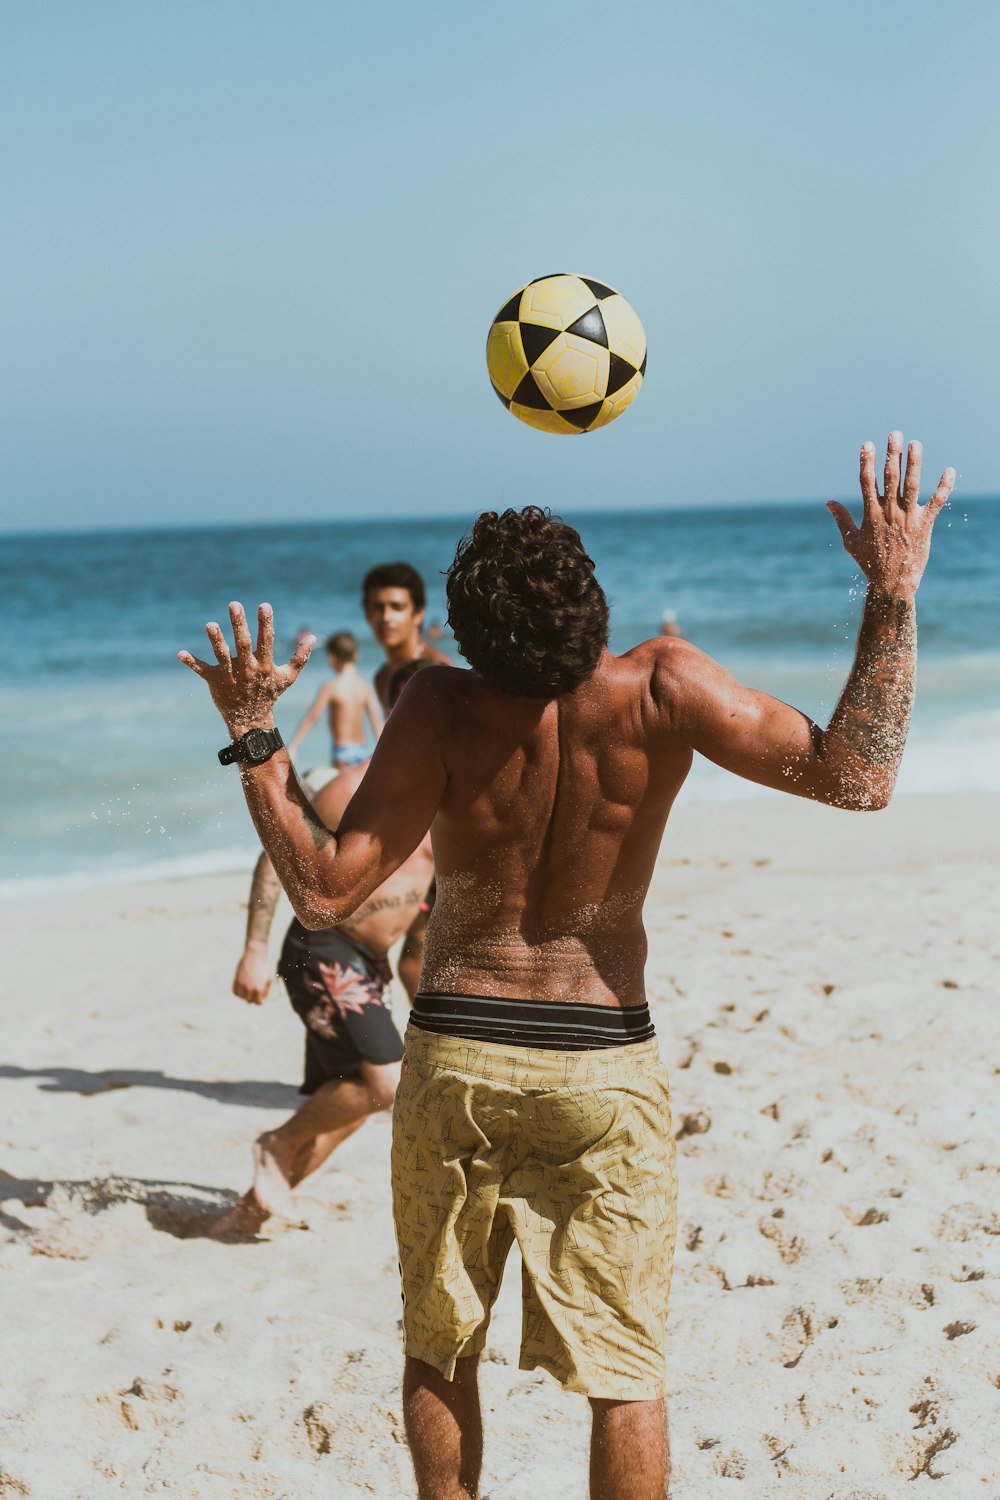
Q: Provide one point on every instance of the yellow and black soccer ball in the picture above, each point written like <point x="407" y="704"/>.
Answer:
<point x="566" y="354"/>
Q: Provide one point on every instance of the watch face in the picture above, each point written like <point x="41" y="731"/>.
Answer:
<point x="256" y="745"/>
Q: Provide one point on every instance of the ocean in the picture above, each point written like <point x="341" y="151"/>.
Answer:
<point x="111" y="771"/>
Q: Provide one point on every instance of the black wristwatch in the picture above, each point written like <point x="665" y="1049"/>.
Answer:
<point x="252" y="748"/>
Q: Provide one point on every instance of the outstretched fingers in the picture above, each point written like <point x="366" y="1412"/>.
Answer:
<point x="300" y="656"/>
<point x="869" y="488"/>
<point x="845" y="522"/>
<point x="893" y="457"/>
<point x="199" y="667"/>
<point x="219" y="645"/>
<point x="265" y="635"/>
<point x="911" y="484"/>
<point x="241" y="632"/>
<point x="939" y="498"/>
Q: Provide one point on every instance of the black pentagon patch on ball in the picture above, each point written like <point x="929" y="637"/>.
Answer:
<point x="598" y="288"/>
<point x="552" y="276"/>
<point x="508" y="313"/>
<point x="503" y="398"/>
<point x="642" y="367"/>
<point x="619" y="374"/>
<point x="528" y="394"/>
<point x="535" y="339"/>
<point x="591" y="326"/>
<point x="582" y="416"/>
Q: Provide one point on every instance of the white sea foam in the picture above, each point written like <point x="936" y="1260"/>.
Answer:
<point x="964" y="757"/>
<point x="111" y="774"/>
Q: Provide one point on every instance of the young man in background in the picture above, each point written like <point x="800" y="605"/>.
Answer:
<point x="394" y="601"/>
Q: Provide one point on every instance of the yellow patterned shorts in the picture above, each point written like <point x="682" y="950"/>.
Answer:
<point x="571" y="1154"/>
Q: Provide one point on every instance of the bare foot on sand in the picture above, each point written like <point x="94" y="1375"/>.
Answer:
<point x="271" y="1186"/>
<point x="245" y="1217"/>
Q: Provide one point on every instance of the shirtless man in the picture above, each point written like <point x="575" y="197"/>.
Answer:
<point x="532" y="1102"/>
<point x="348" y="700"/>
<point x="394" y="602"/>
<point x="336" y="981"/>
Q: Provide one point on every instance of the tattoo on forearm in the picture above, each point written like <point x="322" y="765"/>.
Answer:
<point x="263" y="901"/>
<point x="873" y="715"/>
<point x="287" y="836"/>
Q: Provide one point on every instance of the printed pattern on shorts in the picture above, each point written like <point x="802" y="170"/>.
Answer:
<point x="340" y="993"/>
<point x="572" y="1156"/>
<point x="337" y="989"/>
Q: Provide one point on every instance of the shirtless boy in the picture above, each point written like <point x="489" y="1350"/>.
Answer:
<point x="394" y="602"/>
<point x="336" y="980"/>
<point x="533" y="1103"/>
<point x="348" y="699"/>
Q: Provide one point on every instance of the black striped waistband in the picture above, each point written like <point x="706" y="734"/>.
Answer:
<point x="553" y="1025"/>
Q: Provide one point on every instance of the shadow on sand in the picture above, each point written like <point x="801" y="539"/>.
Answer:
<point x="250" y="1091"/>
<point x="185" y="1210"/>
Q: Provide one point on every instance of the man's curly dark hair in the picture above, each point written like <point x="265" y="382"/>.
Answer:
<point x="524" y="605"/>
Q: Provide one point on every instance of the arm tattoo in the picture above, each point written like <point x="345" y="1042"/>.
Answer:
<point x="263" y="901"/>
<point x="873" y="714"/>
<point x="372" y="907"/>
<point x="318" y="831"/>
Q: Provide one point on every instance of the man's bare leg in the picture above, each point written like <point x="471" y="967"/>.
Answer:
<point x="323" y="1146"/>
<point x="629" y="1451"/>
<point x="444" y="1427"/>
<point x="247" y="1216"/>
<point x="285" y="1156"/>
<point x="341" y="1102"/>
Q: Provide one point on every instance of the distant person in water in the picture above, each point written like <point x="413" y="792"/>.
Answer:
<point x="394" y="602"/>
<point x="669" y="625"/>
<point x="435" y="631"/>
<point x="336" y="981"/>
<point x="348" y="699"/>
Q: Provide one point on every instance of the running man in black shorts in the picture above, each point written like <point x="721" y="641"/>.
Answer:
<point x="336" y="981"/>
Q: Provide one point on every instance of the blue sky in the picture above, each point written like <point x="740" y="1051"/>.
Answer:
<point x="251" y="251"/>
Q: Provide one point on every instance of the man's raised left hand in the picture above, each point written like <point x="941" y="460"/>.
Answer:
<point x="246" y="684"/>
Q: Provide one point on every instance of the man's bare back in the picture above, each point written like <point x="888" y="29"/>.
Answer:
<point x="547" y="833"/>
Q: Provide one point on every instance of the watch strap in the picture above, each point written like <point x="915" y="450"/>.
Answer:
<point x="253" y="748"/>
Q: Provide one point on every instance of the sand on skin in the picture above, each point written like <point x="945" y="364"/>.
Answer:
<point x="824" y="990"/>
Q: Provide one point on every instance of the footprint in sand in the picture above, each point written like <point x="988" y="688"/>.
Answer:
<point x="799" y="1329"/>
<point x="142" y="1405"/>
<point x="731" y="1465"/>
<point x="933" y="1448"/>
<point x="320" y="1423"/>
<point x="698" y="1122"/>
<point x="778" y="1449"/>
<point x="692" y="1234"/>
<point x="960" y="1221"/>
<point x="788" y="1245"/>
<point x="865" y="1218"/>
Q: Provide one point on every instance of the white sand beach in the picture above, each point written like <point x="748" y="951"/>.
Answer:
<point x="824" y="987"/>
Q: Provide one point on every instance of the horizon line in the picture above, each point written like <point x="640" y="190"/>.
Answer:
<point x="394" y="517"/>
